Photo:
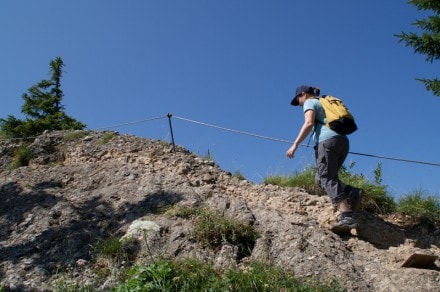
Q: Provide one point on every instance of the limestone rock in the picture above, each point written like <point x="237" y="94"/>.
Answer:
<point x="82" y="187"/>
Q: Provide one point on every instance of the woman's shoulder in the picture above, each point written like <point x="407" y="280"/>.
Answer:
<point x="312" y="103"/>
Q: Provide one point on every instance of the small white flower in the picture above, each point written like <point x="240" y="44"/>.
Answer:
<point x="140" y="227"/>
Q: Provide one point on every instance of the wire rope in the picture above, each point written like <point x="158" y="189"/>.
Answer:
<point x="286" y="141"/>
<point x="131" y="123"/>
<point x="169" y="116"/>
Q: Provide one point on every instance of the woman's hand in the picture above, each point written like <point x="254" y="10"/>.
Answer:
<point x="290" y="153"/>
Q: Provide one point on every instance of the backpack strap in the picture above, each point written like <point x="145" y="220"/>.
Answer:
<point x="316" y="120"/>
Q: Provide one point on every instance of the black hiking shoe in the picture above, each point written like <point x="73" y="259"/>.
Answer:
<point x="344" y="226"/>
<point x="355" y="198"/>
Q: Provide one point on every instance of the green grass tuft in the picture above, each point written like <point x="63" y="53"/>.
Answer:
<point x="195" y="275"/>
<point x="213" y="229"/>
<point x="107" y="137"/>
<point x="22" y="157"/>
<point x="376" y="199"/>
<point x="238" y="175"/>
<point x="75" y="135"/>
<point x="420" y="205"/>
<point x="304" y="180"/>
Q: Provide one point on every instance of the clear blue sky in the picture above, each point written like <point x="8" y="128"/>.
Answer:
<point x="233" y="64"/>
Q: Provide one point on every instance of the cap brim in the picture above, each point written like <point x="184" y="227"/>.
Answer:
<point x="294" y="101"/>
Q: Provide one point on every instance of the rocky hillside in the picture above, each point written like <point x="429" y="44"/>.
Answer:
<point x="82" y="187"/>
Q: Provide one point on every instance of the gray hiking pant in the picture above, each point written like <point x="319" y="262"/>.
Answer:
<point x="330" y="156"/>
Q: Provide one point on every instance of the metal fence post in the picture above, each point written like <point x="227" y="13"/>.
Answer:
<point x="171" y="130"/>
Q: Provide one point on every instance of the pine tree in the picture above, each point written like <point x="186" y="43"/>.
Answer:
<point x="428" y="42"/>
<point x="42" y="107"/>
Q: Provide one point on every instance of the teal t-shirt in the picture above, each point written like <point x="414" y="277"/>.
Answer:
<point x="321" y="132"/>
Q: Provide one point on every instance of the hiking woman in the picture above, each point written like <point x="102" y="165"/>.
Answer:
<point x="331" y="149"/>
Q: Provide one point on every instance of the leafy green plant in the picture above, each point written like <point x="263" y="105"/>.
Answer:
<point x="212" y="229"/>
<point x="22" y="156"/>
<point x="154" y="277"/>
<point x="378" y="174"/>
<point x="208" y="156"/>
<point x="195" y="275"/>
<point x="420" y="205"/>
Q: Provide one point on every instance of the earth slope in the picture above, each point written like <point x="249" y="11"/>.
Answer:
<point x="81" y="187"/>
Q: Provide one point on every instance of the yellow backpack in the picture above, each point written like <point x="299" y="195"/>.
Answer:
<point x="338" y="117"/>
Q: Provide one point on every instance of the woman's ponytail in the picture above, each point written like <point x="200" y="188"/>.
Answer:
<point x="314" y="90"/>
<point x="317" y="91"/>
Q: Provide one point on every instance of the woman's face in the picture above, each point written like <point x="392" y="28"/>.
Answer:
<point x="301" y="98"/>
